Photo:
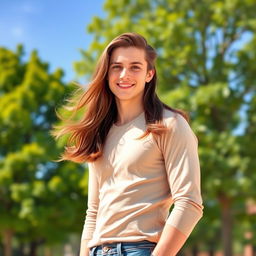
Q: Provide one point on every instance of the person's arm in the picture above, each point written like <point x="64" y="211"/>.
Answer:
<point x="184" y="216"/>
<point x="179" y="148"/>
<point x="170" y="242"/>
<point x="84" y="250"/>
<point x="92" y="209"/>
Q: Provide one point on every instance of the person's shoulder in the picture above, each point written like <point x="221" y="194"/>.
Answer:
<point x="178" y="125"/>
<point x="174" y="119"/>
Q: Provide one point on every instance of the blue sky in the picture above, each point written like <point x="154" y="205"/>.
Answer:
<point x="57" y="29"/>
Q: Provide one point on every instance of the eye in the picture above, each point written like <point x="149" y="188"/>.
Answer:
<point x="135" y="68"/>
<point x="116" y="67"/>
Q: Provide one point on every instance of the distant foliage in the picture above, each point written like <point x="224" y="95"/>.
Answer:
<point x="41" y="201"/>
<point x="206" y="66"/>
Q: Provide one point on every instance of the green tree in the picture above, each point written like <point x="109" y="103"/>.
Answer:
<point x="206" y="65"/>
<point x="40" y="200"/>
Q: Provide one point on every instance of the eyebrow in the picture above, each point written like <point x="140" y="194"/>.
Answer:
<point x="132" y="63"/>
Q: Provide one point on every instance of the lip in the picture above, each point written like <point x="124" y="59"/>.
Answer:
<point x="127" y="85"/>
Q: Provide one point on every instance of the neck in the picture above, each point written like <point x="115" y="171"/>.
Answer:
<point x="127" y="112"/>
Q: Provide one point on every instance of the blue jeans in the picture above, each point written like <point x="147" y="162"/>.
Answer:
<point x="142" y="248"/>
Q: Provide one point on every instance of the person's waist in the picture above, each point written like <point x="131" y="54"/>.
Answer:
<point x="127" y="245"/>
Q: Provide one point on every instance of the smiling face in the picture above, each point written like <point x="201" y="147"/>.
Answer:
<point x="127" y="74"/>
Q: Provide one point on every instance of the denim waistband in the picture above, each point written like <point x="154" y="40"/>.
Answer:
<point x="120" y="246"/>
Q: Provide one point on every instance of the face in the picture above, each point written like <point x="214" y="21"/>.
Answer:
<point x="128" y="74"/>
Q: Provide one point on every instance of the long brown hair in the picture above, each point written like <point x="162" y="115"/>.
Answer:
<point x="87" y="136"/>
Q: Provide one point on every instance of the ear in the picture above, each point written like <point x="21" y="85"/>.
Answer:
<point x="150" y="75"/>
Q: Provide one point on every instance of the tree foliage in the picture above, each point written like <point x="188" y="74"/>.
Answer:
<point x="41" y="201"/>
<point x="206" y="65"/>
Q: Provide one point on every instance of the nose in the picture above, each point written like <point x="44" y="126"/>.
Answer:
<point x="123" y="73"/>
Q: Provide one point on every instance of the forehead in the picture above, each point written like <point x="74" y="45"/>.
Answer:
<point x="128" y="54"/>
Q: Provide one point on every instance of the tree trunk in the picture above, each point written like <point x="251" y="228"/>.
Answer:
<point x="21" y="249"/>
<point x="226" y="220"/>
<point x="33" y="248"/>
<point x="211" y="251"/>
<point x="194" y="250"/>
<point x="7" y="242"/>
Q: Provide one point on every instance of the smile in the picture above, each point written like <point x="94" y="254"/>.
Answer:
<point x="125" y="86"/>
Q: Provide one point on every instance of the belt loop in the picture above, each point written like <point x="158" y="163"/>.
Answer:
<point x="119" y="249"/>
<point x="93" y="251"/>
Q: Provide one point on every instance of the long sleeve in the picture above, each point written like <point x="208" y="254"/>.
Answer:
<point x="93" y="202"/>
<point x="179" y="148"/>
<point x="134" y="183"/>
